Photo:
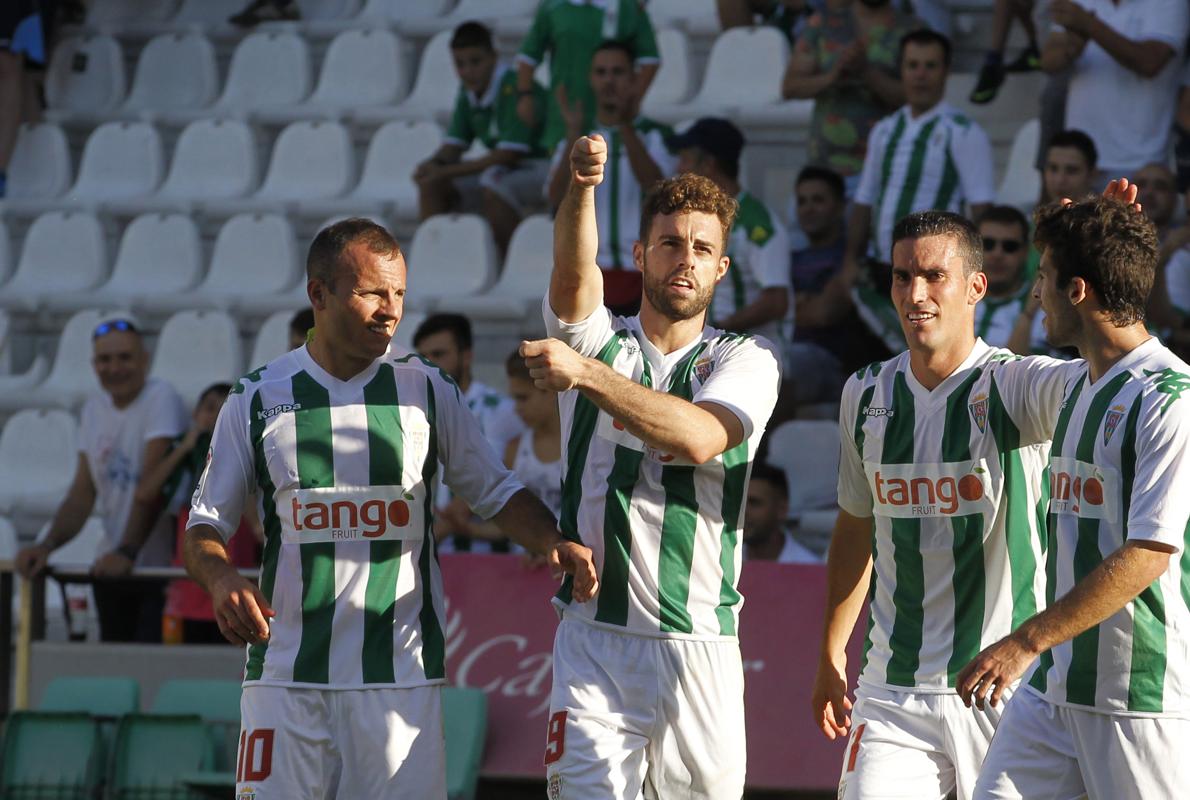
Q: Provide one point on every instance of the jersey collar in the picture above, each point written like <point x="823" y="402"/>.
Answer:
<point x="489" y="95"/>
<point x="307" y="362"/>
<point x="943" y="390"/>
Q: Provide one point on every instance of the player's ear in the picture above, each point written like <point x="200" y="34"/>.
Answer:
<point x="638" y="255"/>
<point x="724" y="265"/>
<point x="978" y="287"/>
<point x="1078" y="290"/>
<point x="317" y="291"/>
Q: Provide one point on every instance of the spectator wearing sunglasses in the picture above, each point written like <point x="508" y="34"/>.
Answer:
<point x="124" y="431"/>
<point x="1005" y="234"/>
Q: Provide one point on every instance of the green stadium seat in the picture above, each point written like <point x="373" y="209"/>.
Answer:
<point x="217" y="702"/>
<point x="465" y="723"/>
<point x="153" y="752"/>
<point x="99" y="697"/>
<point x="54" y="755"/>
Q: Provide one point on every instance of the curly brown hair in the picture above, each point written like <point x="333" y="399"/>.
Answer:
<point x="685" y="193"/>
<point x="1107" y="244"/>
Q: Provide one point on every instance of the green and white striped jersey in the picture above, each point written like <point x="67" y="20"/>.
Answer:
<point x="954" y="479"/>
<point x="996" y="317"/>
<point x="665" y="533"/>
<point x="760" y="259"/>
<point x="1120" y="470"/>
<point x="937" y="161"/>
<point x="344" y="474"/>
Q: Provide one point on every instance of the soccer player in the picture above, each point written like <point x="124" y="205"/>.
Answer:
<point x="661" y="418"/>
<point x="940" y="495"/>
<point x="342" y="442"/>
<point x="1106" y="712"/>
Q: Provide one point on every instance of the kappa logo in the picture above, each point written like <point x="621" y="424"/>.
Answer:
<point x="1111" y="422"/>
<point x="875" y="411"/>
<point x="284" y="408"/>
<point x="979" y="411"/>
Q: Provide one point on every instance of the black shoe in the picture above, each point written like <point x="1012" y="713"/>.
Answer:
<point x="1028" y="61"/>
<point x="266" y="11"/>
<point x="991" y="77"/>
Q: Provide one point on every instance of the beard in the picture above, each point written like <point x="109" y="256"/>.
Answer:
<point x="677" y="309"/>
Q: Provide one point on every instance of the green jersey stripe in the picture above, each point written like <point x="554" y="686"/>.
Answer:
<point x="1186" y="566"/>
<point x="613" y="162"/>
<point x="1083" y="675"/>
<point x="316" y="469"/>
<point x="864" y="401"/>
<point x="433" y="640"/>
<point x="968" y="581"/>
<point x="735" y="479"/>
<point x="950" y="180"/>
<point x="617" y="537"/>
<point x="906" y="637"/>
<point x="913" y="175"/>
<point x="272" y="530"/>
<point x="890" y="151"/>
<point x="385" y="468"/>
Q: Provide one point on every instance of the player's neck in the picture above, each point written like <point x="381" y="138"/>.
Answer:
<point x="666" y="334"/>
<point x="931" y="367"/>
<point x="1104" y="344"/>
<point x="337" y="364"/>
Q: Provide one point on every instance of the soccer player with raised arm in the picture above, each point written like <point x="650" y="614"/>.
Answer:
<point x="940" y="525"/>
<point x="341" y="441"/>
<point x="1106" y="710"/>
<point x="661" y="418"/>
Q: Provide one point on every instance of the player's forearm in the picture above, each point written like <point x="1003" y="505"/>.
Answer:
<point x="848" y="569"/>
<point x="204" y="555"/>
<point x="660" y="420"/>
<point x="858" y="231"/>
<point x="771" y="304"/>
<point x="1122" y="576"/>
<point x="576" y="285"/>
<point x="527" y="521"/>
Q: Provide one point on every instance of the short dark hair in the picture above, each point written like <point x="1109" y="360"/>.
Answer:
<point x="774" y="476"/>
<point x="515" y="366"/>
<point x="1077" y="140"/>
<point x="618" y="46"/>
<point x="684" y="193"/>
<point x="472" y="34"/>
<point x="1006" y="215"/>
<point x="825" y="174"/>
<point x="1108" y="245"/>
<point x="301" y="322"/>
<point x="327" y="248"/>
<point x="221" y="389"/>
<point x="944" y="223"/>
<point x="925" y="36"/>
<point x="458" y="325"/>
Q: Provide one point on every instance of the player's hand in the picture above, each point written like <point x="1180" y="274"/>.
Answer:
<point x="575" y="559"/>
<point x="112" y="565"/>
<point x="554" y="365"/>
<point x="999" y="666"/>
<point x="587" y="158"/>
<point x="31" y="561"/>
<point x="240" y="609"/>
<point x="829" y="702"/>
<point x="1123" y="191"/>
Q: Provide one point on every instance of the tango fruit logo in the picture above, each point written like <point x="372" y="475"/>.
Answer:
<point x="1082" y="489"/>
<point x="929" y="490"/>
<point x="1076" y="490"/>
<point x="333" y="514"/>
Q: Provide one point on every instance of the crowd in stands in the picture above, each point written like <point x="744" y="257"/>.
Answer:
<point x="882" y="142"/>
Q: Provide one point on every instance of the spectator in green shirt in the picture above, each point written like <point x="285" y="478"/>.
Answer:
<point x="506" y="182"/>
<point x="569" y="32"/>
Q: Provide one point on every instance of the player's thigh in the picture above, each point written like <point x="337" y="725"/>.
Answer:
<point x="968" y="734"/>
<point x="286" y="749"/>
<point x="1129" y="758"/>
<point x="521" y="186"/>
<point x="392" y="743"/>
<point x="1031" y="755"/>
<point x="699" y="749"/>
<point x="895" y="750"/>
<point x="602" y="705"/>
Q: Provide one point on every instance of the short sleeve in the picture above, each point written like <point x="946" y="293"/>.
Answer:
<point x="869" y="178"/>
<point x="642" y="37"/>
<point x="470" y="467"/>
<point x="165" y="415"/>
<point x="459" y="132"/>
<point x="1032" y="390"/>
<point x="513" y="134"/>
<point x="855" y="495"/>
<point x="537" y="40"/>
<point x="972" y="154"/>
<point x="745" y="382"/>
<point x="773" y="259"/>
<point x="1159" y="508"/>
<point x="586" y="337"/>
<point x="228" y="477"/>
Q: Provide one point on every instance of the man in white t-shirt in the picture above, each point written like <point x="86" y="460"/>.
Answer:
<point x="1124" y="54"/>
<point x="123" y="432"/>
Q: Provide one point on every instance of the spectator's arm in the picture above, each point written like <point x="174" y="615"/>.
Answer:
<point x="68" y="520"/>
<point x="887" y="87"/>
<point x="1060" y="50"/>
<point x="645" y="74"/>
<point x="802" y="79"/>
<point x="828" y="306"/>
<point x="859" y="226"/>
<point x="770" y="304"/>
<point x="644" y="168"/>
<point x="1145" y="57"/>
<point x="148" y="488"/>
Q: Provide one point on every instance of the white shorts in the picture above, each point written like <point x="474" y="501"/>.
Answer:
<point x="1061" y="753"/>
<point x="318" y="744"/>
<point x="914" y="745"/>
<point x="634" y="716"/>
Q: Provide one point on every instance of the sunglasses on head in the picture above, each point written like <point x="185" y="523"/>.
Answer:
<point x="105" y="328"/>
<point x="1007" y="245"/>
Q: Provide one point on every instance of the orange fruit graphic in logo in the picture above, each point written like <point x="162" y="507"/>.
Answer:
<point x="398" y="513"/>
<point x="617" y="424"/>
<point x="1093" y="492"/>
<point x="970" y="488"/>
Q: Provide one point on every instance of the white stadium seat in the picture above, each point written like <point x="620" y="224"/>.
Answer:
<point x="175" y="71"/>
<point x="40" y="165"/>
<point x="744" y="70"/>
<point x="71" y="378"/>
<point x="1017" y="100"/>
<point x="86" y="75"/>
<point x="268" y="69"/>
<point x="272" y="340"/>
<point x="121" y="160"/>
<point x="215" y="159"/>
<point x="434" y="90"/>
<point x="695" y="16"/>
<point x="63" y="251"/>
<point x="159" y="256"/>
<point x="311" y="161"/>
<point x="674" y="81"/>
<point x="196" y="349"/>
<point x="451" y="255"/>
<point x="1021" y="186"/>
<point x="524" y="279"/>
<point x="37" y="460"/>
<point x="808" y="451"/>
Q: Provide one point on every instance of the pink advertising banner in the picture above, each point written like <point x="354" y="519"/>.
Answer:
<point x="500" y="630"/>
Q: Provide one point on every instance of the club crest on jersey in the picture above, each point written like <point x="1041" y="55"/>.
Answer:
<point x="703" y="369"/>
<point x="1112" y="422"/>
<point x="247" y="793"/>
<point x="554" y="790"/>
<point x="979" y="411"/>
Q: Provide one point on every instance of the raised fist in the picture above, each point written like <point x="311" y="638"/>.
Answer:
<point x="587" y="158"/>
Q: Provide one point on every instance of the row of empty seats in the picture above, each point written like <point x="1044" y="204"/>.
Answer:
<point x="256" y="267"/>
